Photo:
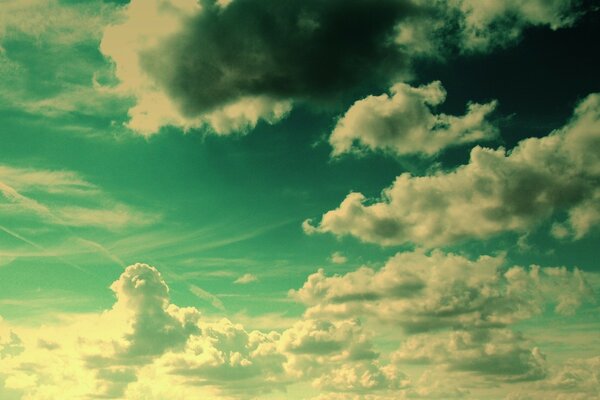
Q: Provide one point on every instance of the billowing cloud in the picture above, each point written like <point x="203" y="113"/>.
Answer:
<point x="495" y="353"/>
<point x="424" y="292"/>
<point x="497" y="191"/>
<point x="146" y="347"/>
<point x="228" y="65"/>
<point x="403" y="123"/>
<point x="145" y="344"/>
<point x="458" y="315"/>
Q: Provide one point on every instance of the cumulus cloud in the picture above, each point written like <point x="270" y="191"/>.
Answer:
<point x="496" y="353"/>
<point x="145" y="345"/>
<point x="497" y="191"/>
<point x="457" y="314"/>
<point x="403" y="123"/>
<point x="229" y="64"/>
<point x="424" y="292"/>
<point x="338" y="258"/>
<point x="191" y="63"/>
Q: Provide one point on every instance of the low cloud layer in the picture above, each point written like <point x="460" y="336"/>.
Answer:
<point x="146" y="347"/>
<point x="497" y="191"/>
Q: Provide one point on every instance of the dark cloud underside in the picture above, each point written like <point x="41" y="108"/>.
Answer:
<point x="295" y="49"/>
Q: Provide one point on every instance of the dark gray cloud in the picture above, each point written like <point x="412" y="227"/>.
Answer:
<point x="309" y="49"/>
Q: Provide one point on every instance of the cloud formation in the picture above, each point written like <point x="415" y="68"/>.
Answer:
<point x="497" y="191"/>
<point x="403" y="123"/>
<point x="424" y="292"/>
<point x="146" y="347"/>
<point x="458" y="315"/>
<point x="227" y="65"/>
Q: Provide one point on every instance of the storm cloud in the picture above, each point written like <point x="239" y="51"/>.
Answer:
<point x="294" y="49"/>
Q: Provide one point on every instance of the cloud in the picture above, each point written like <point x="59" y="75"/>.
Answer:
<point x="500" y="354"/>
<point x="69" y="24"/>
<point x="458" y="315"/>
<point x="63" y="198"/>
<point x="338" y="258"/>
<point x="497" y="191"/>
<point x="146" y="347"/>
<point x="426" y="292"/>
<point x="403" y="123"/>
<point x="487" y="24"/>
<point x="228" y="65"/>
<point x="245" y="279"/>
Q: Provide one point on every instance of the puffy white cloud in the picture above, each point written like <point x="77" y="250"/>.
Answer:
<point x="497" y="191"/>
<point x="145" y="347"/>
<point x="403" y="123"/>
<point x="422" y="292"/>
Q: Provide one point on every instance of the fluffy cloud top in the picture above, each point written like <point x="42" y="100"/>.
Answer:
<point x="404" y="123"/>
<point x="145" y="345"/>
<point x="459" y="313"/>
<point x="497" y="191"/>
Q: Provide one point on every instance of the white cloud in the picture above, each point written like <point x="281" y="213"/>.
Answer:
<point x="403" y="123"/>
<point x="146" y="347"/>
<point x="497" y="191"/>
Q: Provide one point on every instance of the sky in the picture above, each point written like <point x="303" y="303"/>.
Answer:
<point x="305" y="200"/>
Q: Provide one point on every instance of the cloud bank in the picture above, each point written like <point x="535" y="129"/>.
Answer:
<point x="497" y="191"/>
<point x="459" y="313"/>
<point x="228" y="65"/>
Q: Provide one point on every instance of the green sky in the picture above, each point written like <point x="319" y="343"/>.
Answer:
<point x="285" y="199"/>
